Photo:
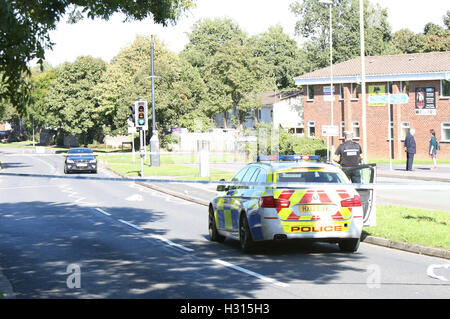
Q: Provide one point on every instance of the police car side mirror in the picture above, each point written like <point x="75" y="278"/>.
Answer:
<point x="222" y="188"/>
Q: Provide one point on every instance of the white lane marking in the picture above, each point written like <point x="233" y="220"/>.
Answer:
<point x="31" y="186"/>
<point x="431" y="268"/>
<point x="135" y="198"/>
<point x="103" y="212"/>
<point x="251" y="273"/>
<point x="130" y="224"/>
<point x="171" y="243"/>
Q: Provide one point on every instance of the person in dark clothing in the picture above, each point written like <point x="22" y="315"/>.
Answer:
<point x="348" y="154"/>
<point x="410" y="149"/>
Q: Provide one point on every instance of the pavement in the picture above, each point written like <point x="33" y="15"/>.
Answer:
<point x="419" y="172"/>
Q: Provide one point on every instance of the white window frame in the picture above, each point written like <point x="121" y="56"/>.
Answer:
<point x="445" y="126"/>
<point x="404" y="126"/>
<point x="441" y="90"/>
<point x="356" y="125"/>
<point x="309" y="87"/>
<point x="310" y="125"/>
<point x="391" y="127"/>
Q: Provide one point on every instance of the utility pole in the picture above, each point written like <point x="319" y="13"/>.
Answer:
<point x="154" y="140"/>
<point x="363" y="81"/>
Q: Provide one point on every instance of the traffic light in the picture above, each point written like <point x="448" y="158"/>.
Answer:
<point x="132" y="115"/>
<point x="141" y="114"/>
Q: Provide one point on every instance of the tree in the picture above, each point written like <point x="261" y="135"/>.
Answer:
<point x="434" y="38"/>
<point x="447" y="20"/>
<point x="25" y="26"/>
<point x="37" y="110"/>
<point x="72" y="100"/>
<point x="313" y="24"/>
<point x="208" y="36"/>
<point x="234" y="77"/>
<point x="281" y="55"/>
<point x="179" y="88"/>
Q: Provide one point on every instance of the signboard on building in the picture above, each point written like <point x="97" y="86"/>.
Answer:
<point x="425" y="101"/>
<point x="375" y="95"/>
<point x="330" y="130"/>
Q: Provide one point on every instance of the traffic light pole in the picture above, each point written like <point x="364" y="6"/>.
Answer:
<point x="141" y="150"/>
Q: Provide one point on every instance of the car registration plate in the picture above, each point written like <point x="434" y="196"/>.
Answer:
<point x="81" y="164"/>
<point x="314" y="208"/>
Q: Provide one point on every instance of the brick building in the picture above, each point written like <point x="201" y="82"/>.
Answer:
<point x="424" y="78"/>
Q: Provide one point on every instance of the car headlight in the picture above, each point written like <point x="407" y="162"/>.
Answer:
<point x="70" y="161"/>
<point x="93" y="161"/>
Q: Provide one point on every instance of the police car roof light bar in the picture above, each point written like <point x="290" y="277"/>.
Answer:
<point x="290" y="158"/>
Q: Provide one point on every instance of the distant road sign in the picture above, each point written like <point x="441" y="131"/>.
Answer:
<point x="378" y="99"/>
<point x="401" y="98"/>
<point x="330" y="130"/>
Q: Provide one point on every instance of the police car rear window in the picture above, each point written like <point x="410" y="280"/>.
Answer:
<point x="309" y="177"/>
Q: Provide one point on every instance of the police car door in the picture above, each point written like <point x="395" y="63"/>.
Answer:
<point x="226" y="212"/>
<point x="367" y="194"/>
<point x="242" y="194"/>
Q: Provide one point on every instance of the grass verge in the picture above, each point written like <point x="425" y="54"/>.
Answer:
<point x="424" y="227"/>
<point x="175" y="171"/>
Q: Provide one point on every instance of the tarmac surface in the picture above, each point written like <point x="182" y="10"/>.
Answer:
<point x="202" y="193"/>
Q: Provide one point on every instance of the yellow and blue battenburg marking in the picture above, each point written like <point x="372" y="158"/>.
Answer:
<point x="227" y="213"/>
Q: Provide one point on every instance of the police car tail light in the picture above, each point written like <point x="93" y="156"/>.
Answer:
<point x="351" y="202"/>
<point x="270" y="201"/>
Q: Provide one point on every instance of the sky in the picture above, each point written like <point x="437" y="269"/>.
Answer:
<point x="105" y="39"/>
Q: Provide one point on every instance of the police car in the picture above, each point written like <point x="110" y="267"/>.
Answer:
<point x="269" y="200"/>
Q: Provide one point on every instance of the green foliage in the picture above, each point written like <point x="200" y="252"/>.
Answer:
<point x="71" y="99"/>
<point x="280" y="54"/>
<point x="25" y="27"/>
<point x="288" y="144"/>
<point x="313" y="24"/>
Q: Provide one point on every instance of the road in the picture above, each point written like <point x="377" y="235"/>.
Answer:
<point x="66" y="237"/>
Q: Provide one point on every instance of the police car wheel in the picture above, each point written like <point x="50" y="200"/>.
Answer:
<point x="245" y="236"/>
<point x="213" y="233"/>
<point x="349" y="245"/>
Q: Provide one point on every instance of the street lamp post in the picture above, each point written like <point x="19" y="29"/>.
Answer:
<point x="154" y="140"/>
<point x="363" y="82"/>
<point x="330" y="3"/>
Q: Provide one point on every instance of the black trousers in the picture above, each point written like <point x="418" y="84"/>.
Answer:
<point x="409" y="161"/>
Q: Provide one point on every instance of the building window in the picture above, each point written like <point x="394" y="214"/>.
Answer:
<point x="342" y="129"/>
<point x="445" y="131"/>
<point x="310" y="92"/>
<point x="391" y="126"/>
<point x="445" y="88"/>
<point x="311" y="128"/>
<point x="355" y="129"/>
<point x="404" y="87"/>
<point x="341" y="91"/>
<point x="355" y="91"/>
<point x="296" y="130"/>
<point x="389" y="87"/>
<point x="405" y="130"/>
